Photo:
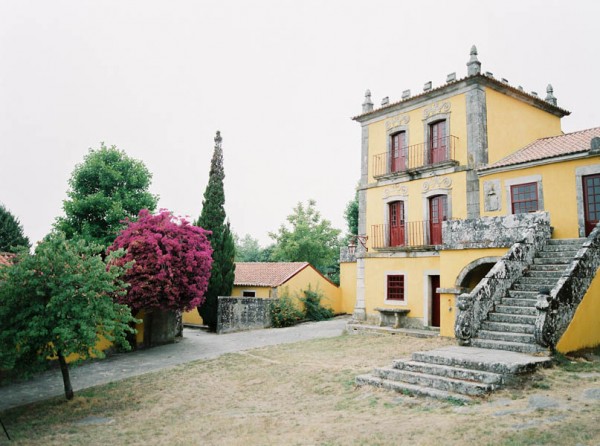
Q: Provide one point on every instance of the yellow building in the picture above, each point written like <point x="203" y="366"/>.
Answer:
<point x="447" y="180"/>
<point x="277" y="279"/>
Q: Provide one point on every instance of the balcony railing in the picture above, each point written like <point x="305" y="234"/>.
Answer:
<point x="412" y="234"/>
<point x="416" y="156"/>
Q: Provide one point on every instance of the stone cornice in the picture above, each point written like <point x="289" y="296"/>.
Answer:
<point x="456" y="87"/>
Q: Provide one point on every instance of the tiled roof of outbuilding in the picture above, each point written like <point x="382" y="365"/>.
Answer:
<point x="266" y="273"/>
<point x="550" y="147"/>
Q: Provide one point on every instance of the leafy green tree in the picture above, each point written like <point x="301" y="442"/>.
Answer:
<point x="107" y="188"/>
<point x="351" y="215"/>
<point x="11" y="232"/>
<point x="309" y="239"/>
<point x="57" y="302"/>
<point x="212" y="219"/>
<point x="248" y="249"/>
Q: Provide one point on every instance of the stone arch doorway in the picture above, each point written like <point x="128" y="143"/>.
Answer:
<point x="472" y="274"/>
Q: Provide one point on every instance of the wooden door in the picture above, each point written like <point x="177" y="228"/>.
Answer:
<point x="591" y="201"/>
<point x="437" y="142"/>
<point x="398" y="153"/>
<point x="437" y="214"/>
<point x="435" y="301"/>
<point x="396" y="210"/>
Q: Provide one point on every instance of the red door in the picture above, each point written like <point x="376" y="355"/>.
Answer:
<point x="437" y="214"/>
<point x="396" y="210"/>
<point x="398" y="153"/>
<point x="591" y="201"/>
<point x="435" y="301"/>
<point x="437" y="142"/>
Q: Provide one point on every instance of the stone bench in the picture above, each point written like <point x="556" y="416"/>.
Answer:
<point x="386" y="313"/>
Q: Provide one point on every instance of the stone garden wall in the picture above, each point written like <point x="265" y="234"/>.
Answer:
<point x="242" y="313"/>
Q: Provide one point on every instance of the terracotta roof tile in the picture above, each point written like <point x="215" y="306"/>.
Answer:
<point x="551" y="147"/>
<point x="266" y="273"/>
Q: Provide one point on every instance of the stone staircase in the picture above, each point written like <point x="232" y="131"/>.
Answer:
<point x="510" y="326"/>
<point x="500" y="353"/>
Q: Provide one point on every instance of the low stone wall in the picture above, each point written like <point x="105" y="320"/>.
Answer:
<point x="491" y="232"/>
<point x="242" y="313"/>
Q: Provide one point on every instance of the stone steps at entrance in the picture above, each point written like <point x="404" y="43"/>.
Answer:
<point x="502" y="350"/>
<point x="454" y="373"/>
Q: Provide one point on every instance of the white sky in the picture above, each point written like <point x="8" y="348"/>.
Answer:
<point x="280" y="79"/>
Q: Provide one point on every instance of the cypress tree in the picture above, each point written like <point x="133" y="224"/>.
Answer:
<point x="11" y="232"/>
<point x="212" y="218"/>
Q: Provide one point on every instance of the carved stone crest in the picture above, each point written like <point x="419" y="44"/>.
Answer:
<point x="437" y="183"/>
<point x="397" y="121"/>
<point x="491" y="192"/>
<point x="436" y="108"/>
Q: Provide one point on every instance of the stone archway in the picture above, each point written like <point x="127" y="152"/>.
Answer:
<point x="472" y="274"/>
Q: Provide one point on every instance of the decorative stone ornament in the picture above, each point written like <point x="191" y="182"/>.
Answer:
<point x="436" y="108"/>
<point x="397" y="121"/>
<point x="367" y="105"/>
<point x="550" y="96"/>
<point x="491" y="191"/>
<point x="473" y="65"/>
<point x="595" y="146"/>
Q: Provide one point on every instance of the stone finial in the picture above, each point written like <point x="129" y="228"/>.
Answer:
<point x="218" y="139"/>
<point x="427" y="86"/>
<point x="550" y="96"/>
<point x="595" y="145"/>
<point x="406" y="94"/>
<point x="385" y="101"/>
<point x="504" y="80"/>
<point x="534" y="93"/>
<point x="367" y="105"/>
<point x="451" y="77"/>
<point x="473" y="65"/>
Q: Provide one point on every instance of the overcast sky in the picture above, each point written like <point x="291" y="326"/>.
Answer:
<point x="280" y="80"/>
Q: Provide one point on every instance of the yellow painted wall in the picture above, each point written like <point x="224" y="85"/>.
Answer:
<point x="310" y="277"/>
<point x="414" y="270"/>
<point x="559" y="185"/>
<point x="378" y="134"/>
<point x="264" y="292"/>
<point x="348" y="287"/>
<point x="584" y="329"/>
<point x="416" y="206"/>
<point x="512" y="124"/>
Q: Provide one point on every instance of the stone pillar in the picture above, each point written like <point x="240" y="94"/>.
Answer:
<point x="359" y="313"/>
<point x="477" y="145"/>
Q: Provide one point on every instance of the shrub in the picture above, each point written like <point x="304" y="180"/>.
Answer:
<point x="284" y="313"/>
<point x="313" y="310"/>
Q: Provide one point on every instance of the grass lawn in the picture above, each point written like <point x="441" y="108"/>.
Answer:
<point x="304" y="394"/>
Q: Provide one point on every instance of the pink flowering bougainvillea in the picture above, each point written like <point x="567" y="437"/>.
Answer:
<point x="171" y="262"/>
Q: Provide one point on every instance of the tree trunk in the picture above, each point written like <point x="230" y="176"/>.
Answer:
<point x="64" y="368"/>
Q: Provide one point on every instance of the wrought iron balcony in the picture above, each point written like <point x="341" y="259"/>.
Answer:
<point x="441" y="150"/>
<point x="410" y="234"/>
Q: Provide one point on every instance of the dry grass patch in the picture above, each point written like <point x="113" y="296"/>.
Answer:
<point x="304" y="393"/>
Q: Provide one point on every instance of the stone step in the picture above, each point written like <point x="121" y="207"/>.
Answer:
<point x="552" y="261"/>
<point x="508" y="309"/>
<point x="522" y="294"/>
<point x="563" y="253"/>
<point x="508" y="327"/>
<point x="514" y="302"/>
<point x="520" y="286"/>
<point x="550" y="270"/>
<point x="447" y="371"/>
<point x="519" y="347"/>
<point x="565" y="241"/>
<point x="411" y="389"/>
<point x="538" y="279"/>
<point x="525" y="338"/>
<point x="463" y="387"/>
<point x="485" y="359"/>
<point x="512" y="318"/>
